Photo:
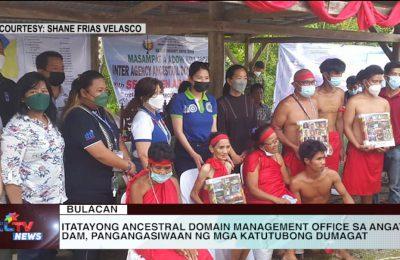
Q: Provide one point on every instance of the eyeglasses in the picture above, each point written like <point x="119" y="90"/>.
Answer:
<point x="306" y="83"/>
<point x="276" y="141"/>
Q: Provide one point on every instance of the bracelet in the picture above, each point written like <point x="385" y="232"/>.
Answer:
<point x="129" y="167"/>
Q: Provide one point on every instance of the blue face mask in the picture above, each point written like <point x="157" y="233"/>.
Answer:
<point x="307" y="91"/>
<point x="335" y="81"/>
<point x="160" y="178"/>
<point x="353" y="92"/>
<point x="394" y="82"/>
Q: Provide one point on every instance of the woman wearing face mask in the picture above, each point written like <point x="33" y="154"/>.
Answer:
<point x="32" y="145"/>
<point x="194" y="117"/>
<point x="156" y="185"/>
<point x="93" y="145"/>
<point x="147" y="126"/>
<point x="265" y="173"/>
<point x="236" y="112"/>
<point x="32" y="152"/>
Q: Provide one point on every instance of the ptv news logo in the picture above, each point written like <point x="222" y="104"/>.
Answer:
<point x="20" y="229"/>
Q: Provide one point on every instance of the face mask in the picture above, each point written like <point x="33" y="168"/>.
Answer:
<point x="160" y="178"/>
<point x="156" y="102"/>
<point x="239" y="85"/>
<point x="375" y="89"/>
<point x="267" y="153"/>
<point x="353" y="92"/>
<point x="38" y="102"/>
<point x="2" y="60"/>
<point x="201" y="86"/>
<point x="101" y="100"/>
<point x="307" y="91"/>
<point x="257" y="73"/>
<point x="56" y="78"/>
<point x="394" y="82"/>
<point x="335" y="81"/>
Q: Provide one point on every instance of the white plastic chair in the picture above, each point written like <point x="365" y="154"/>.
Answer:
<point x="241" y="173"/>
<point x="187" y="180"/>
<point x="123" y="198"/>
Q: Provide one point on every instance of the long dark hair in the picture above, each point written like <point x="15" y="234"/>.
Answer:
<point x="83" y="81"/>
<point x="145" y="88"/>
<point x="229" y="75"/>
<point x="25" y="84"/>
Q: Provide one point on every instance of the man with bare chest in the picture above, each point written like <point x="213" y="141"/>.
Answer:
<point x="299" y="106"/>
<point x="330" y="100"/>
<point x="363" y="169"/>
<point x="313" y="185"/>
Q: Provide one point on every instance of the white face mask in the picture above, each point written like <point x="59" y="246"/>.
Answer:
<point x="257" y="73"/>
<point x="157" y="102"/>
<point x="2" y="60"/>
<point x="375" y="89"/>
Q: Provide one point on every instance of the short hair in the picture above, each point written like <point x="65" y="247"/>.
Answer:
<point x="332" y="65"/>
<point x="255" y="87"/>
<point x="391" y="65"/>
<point x="161" y="151"/>
<point x="259" y="64"/>
<point x="350" y="81"/>
<point x="371" y="71"/>
<point x="43" y="58"/>
<point x="309" y="148"/>
<point x="360" y="76"/>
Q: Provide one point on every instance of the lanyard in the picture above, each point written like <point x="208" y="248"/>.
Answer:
<point x="160" y="123"/>
<point x="302" y="108"/>
<point x="109" y="128"/>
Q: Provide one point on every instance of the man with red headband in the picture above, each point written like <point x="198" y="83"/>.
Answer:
<point x="330" y="100"/>
<point x="217" y="166"/>
<point x="155" y="185"/>
<point x="299" y="106"/>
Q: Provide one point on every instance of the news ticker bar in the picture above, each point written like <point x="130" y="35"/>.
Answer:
<point x="174" y="226"/>
<point x="73" y="28"/>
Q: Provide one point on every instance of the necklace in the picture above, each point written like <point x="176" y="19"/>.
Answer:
<point x="154" y="192"/>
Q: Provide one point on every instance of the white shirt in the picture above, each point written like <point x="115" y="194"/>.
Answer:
<point x="32" y="158"/>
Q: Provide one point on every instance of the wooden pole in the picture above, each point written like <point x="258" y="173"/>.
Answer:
<point x="94" y="52"/>
<point x="248" y="53"/>
<point x="396" y="46"/>
<point x="216" y="51"/>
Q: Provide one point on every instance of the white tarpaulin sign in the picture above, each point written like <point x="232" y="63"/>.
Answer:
<point x="295" y="56"/>
<point x="22" y="50"/>
<point x="167" y="58"/>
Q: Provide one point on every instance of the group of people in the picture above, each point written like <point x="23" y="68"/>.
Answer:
<point x="72" y="154"/>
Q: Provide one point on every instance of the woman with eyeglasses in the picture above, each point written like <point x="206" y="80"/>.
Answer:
<point x="147" y="125"/>
<point x="265" y="175"/>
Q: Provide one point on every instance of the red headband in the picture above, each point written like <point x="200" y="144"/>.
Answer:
<point x="162" y="163"/>
<point x="266" y="134"/>
<point x="303" y="75"/>
<point x="218" y="138"/>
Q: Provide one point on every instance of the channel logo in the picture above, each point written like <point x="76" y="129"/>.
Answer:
<point x="21" y="230"/>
